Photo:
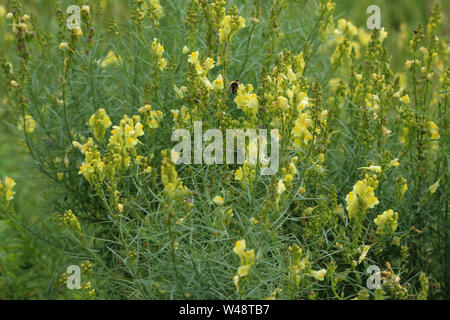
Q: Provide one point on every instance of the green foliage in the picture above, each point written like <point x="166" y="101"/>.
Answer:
<point x="363" y="176"/>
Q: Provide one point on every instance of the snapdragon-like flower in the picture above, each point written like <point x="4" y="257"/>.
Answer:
<point x="92" y="168"/>
<point x="218" y="200"/>
<point x="319" y="274"/>
<point x="111" y="59"/>
<point x="245" y="174"/>
<point x="229" y="26"/>
<point x="155" y="9"/>
<point x="6" y="189"/>
<point x="99" y="122"/>
<point x="127" y="133"/>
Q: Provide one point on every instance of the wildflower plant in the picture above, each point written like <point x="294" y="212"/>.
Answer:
<point x="363" y="148"/>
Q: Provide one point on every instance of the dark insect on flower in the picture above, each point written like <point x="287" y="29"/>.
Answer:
<point x="234" y="86"/>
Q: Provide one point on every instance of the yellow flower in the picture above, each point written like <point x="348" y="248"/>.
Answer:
<point x="7" y="188"/>
<point x="229" y="26"/>
<point x="283" y="103"/>
<point x="111" y="59"/>
<point x="193" y="58"/>
<point x="280" y="187"/>
<point x="236" y="282"/>
<point x="162" y="64"/>
<point x="246" y="100"/>
<point x="364" y="250"/>
<point x="247" y="260"/>
<point x="85" y="9"/>
<point x="157" y="48"/>
<point x="99" y="122"/>
<point x="218" y="83"/>
<point x="405" y="99"/>
<point x="373" y="168"/>
<point x="218" y="200"/>
<point x="238" y="175"/>
<point x="209" y="64"/>
<point x="433" y="188"/>
<point x="239" y="248"/>
<point x="386" y="219"/>
<point x="394" y="163"/>
<point x="71" y="222"/>
<point x="30" y="124"/>
<point x="243" y="270"/>
<point x="300" y="132"/>
<point x="63" y="45"/>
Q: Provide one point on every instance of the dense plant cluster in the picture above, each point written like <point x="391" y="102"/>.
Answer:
<point x="363" y="151"/>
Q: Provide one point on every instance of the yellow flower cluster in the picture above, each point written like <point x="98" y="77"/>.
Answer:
<point x="229" y="26"/>
<point x="152" y="118"/>
<point x="158" y="52"/>
<point x="93" y="168"/>
<point x="346" y="28"/>
<point x="362" y="197"/>
<point x="99" y="122"/>
<point x="387" y="222"/>
<point x="246" y="100"/>
<point x="173" y="186"/>
<point x="6" y="189"/>
<point x="120" y="151"/>
<point x="124" y="138"/>
<point x="247" y="258"/>
<point x="71" y="222"/>
<point x="30" y="124"/>
<point x="289" y="172"/>
<point x="300" y="265"/>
